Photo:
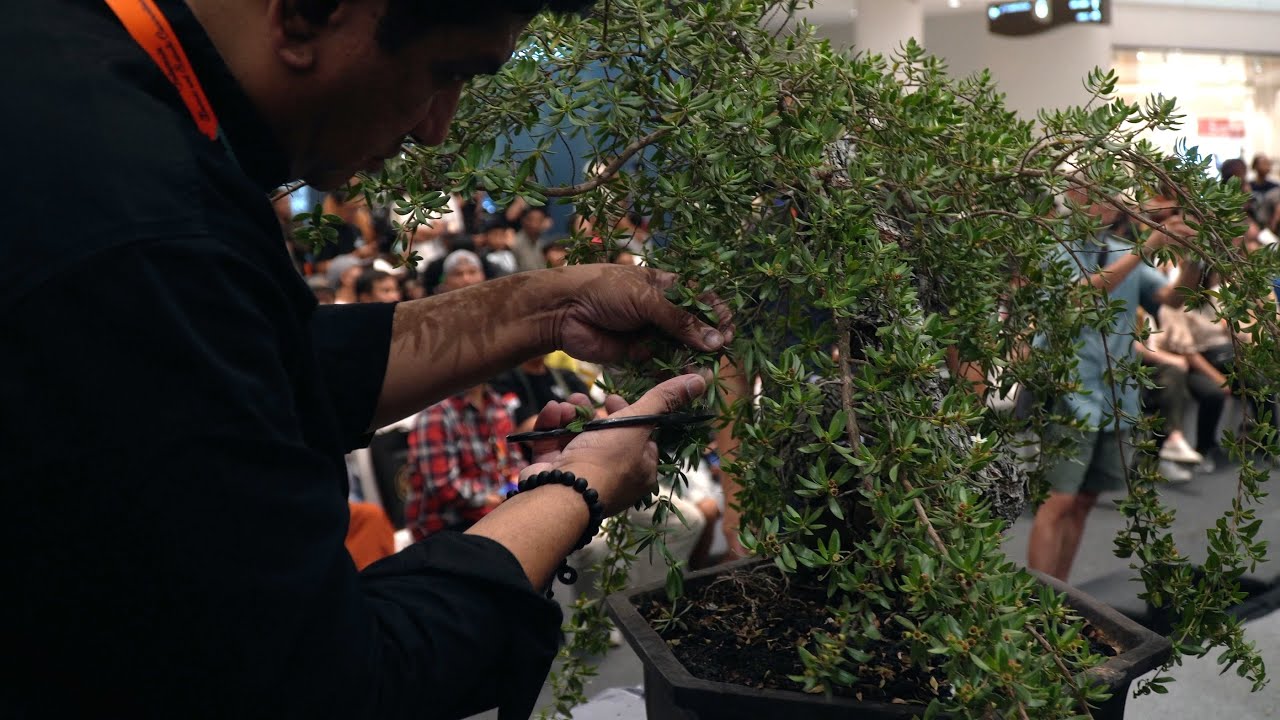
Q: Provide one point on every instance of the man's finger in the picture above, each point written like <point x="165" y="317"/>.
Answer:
<point x="667" y="397"/>
<point x="535" y="468"/>
<point x="614" y="403"/>
<point x="548" y="417"/>
<point x="724" y="316"/>
<point x="679" y="324"/>
<point x="554" y="415"/>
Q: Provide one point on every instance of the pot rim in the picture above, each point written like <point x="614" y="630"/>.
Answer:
<point x="1139" y="649"/>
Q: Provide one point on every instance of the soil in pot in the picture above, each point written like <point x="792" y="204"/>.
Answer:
<point x="742" y="628"/>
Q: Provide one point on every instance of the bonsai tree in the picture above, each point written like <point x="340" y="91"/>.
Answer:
<point x="869" y="219"/>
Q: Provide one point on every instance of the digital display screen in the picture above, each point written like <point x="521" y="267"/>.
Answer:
<point x="1029" y="17"/>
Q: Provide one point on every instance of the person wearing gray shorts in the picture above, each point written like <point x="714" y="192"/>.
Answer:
<point x="1097" y="464"/>
<point x="1100" y="458"/>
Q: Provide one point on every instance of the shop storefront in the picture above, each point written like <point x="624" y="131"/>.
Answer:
<point x="1229" y="99"/>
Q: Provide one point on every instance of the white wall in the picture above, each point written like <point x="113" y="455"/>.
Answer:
<point x="1047" y="70"/>
<point x="1035" y="72"/>
<point x="840" y="34"/>
<point x="1195" y="29"/>
<point x="883" y="26"/>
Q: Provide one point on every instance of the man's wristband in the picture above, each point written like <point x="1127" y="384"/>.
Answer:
<point x="595" y="511"/>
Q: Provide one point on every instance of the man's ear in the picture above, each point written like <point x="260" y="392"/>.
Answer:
<point x="293" y="34"/>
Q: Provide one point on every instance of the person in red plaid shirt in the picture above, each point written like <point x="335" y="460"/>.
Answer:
<point x="459" y="462"/>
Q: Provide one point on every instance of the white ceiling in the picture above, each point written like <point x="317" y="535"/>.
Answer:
<point x="840" y="11"/>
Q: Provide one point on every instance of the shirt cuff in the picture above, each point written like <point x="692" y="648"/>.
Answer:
<point x="487" y="570"/>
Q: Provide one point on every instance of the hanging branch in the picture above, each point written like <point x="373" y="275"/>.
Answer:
<point x="609" y="170"/>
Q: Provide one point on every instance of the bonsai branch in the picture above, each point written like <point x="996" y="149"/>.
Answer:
<point x="288" y="189"/>
<point x="851" y="428"/>
<point x="607" y="173"/>
<point x="846" y="384"/>
<point x="1066" y="674"/>
<point x="934" y="537"/>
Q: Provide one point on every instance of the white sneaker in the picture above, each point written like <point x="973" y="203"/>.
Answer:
<point x="1180" y="452"/>
<point x="615" y="638"/>
<point x="1175" y="473"/>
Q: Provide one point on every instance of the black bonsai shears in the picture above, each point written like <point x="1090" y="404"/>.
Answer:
<point x="664" y="421"/>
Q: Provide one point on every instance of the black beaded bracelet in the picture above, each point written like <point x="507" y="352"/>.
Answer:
<point x="564" y="573"/>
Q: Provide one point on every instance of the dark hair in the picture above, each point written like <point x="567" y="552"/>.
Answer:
<point x="1234" y="167"/>
<point x="531" y="210"/>
<point x="493" y="222"/>
<point x="459" y="241"/>
<point x="559" y="240"/>
<point x="406" y="20"/>
<point x="367" y="279"/>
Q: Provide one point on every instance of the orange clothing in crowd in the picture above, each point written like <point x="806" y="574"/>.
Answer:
<point x="370" y="536"/>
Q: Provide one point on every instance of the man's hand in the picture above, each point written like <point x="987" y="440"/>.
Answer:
<point x="609" y="312"/>
<point x="599" y="313"/>
<point x="620" y="464"/>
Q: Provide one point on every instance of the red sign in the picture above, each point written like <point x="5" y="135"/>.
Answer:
<point x="1221" y="128"/>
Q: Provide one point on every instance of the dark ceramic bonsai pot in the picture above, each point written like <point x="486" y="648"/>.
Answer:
<point x="672" y="693"/>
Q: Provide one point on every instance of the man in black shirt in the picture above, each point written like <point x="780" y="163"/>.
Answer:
<point x="532" y="385"/>
<point x="177" y="550"/>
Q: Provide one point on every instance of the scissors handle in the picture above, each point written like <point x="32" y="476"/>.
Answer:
<point x="658" y="421"/>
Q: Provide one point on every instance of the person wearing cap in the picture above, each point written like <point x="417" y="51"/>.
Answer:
<point x="181" y="555"/>
<point x="320" y="287"/>
<point x="342" y="273"/>
<point x="432" y="273"/>
<point x="461" y="268"/>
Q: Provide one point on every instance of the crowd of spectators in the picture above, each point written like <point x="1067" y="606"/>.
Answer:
<point x="450" y="464"/>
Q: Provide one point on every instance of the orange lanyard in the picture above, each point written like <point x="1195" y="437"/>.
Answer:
<point x="150" y="29"/>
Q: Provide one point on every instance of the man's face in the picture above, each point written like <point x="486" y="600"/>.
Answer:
<point x="500" y="238"/>
<point x="366" y="100"/>
<point x="386" y="290"/>
<point x="556" y="256"/>
<point x="464" y="274"/>
<point x="1103" y="212"/>
<point x="534" y="223"/>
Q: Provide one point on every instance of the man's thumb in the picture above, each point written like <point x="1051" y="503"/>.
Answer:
<point x="667" y="396"/>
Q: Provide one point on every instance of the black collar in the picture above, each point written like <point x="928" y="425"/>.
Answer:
<point x="253" y="143"/>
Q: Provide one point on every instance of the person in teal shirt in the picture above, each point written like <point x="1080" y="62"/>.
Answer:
<point x="1102" y="451"/>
